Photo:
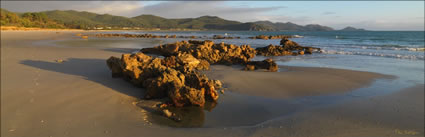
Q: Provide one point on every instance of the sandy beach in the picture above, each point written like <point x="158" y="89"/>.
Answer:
<point x="41" y="96"/>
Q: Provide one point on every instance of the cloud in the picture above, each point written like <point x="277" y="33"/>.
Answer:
<point x="190" y="9"/>
<point x="379" y="24"/>
<point x="168" y="9"/>
<point x="328" y="13"/>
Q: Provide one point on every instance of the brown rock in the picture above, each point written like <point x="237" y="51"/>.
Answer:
<point x="207" y="50"/>
<point x="115" y="66"/>
<point x="173" y="77"/>
<point x="268" y="64"/>
<point x="301" y="52"/>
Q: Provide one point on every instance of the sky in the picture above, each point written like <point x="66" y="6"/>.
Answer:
<point x="371" y="15"/>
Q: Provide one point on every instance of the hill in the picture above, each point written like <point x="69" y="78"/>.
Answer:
<point x="288" y="26"/>
<point x="87" y="20"/>
<point x="351" y="29"/>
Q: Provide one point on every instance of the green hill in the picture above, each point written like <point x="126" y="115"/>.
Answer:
<point x="279" y="26"/>
<point x="87" y="20"/>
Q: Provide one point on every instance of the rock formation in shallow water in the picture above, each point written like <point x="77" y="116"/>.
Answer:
<point x="286" y="47"/>
<point x="267" y="37"/>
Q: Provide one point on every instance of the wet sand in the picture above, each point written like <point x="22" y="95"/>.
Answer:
<point x="41" y="97"/>
<point x="292" y="81"/>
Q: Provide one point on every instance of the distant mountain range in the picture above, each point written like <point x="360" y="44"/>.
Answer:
<point x="88" y="20"/>
<point x="351" y="29"/>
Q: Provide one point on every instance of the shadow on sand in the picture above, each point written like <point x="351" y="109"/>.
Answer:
<point x="90" y="69"/>
<point x="97" y="71"/>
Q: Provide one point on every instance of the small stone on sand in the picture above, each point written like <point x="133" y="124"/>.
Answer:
<point x="59" y="60"/>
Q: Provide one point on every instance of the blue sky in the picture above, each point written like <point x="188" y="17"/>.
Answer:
<point x="373" y="15"/>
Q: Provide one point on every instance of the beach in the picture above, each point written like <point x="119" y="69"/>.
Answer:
<point x="77" y="96"/>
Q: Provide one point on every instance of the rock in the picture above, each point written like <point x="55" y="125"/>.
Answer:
<point x="173" y="77"/>
<point x="267" y="37"/>
<point x="167" y="113"/>
<point x="268" y="64"/>
<point x="287" y="47"/>
<point x="160" y="36"/>
<point x="301" y="52"/>
<point x="249" y="67"/>
<point x="206" y="50"/>
<point x="290" y="45"/>
<point x="59" y="60"/>
<point x="272" y="50"/>
<point x="188" y="60"/>
<point x="203" y="65"/>
<point x="217" y="84"/>
<point x="115" y="66"/>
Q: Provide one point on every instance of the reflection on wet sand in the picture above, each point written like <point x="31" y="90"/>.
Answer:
<point x="189" y="116"/>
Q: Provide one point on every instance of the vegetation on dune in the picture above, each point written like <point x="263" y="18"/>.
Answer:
<point x="39" y="20"/>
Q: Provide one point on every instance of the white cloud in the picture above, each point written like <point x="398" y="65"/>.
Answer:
<point x="190" y="9"/>
<point x="328" y="13"/>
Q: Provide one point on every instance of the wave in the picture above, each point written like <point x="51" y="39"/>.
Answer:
<point x="383" y="47"/>
<point x="399" y="56"/>
<point x="393" y="48"/>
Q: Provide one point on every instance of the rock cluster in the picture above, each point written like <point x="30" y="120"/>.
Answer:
<point x="125" y="35"/>
<point x="143" y="36"/>
<point x="224" y="37"/>
<point x="176" y="76"/>
<point x="267" y="37"/>
<point x="173" y="77"/>
<point x="220" y="53"/>
<point x="287" y="47"/>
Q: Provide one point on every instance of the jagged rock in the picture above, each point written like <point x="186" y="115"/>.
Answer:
<point x="267" y="37"/>
<point x="207" y="50"/>
<point x="173" y="77"/>
<point x="290" y="45"/>
<point x="223" y="37"/>
<point x="287" y="47"/>
<point x="268" y="64"/>
<point x="272" y="50"/>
